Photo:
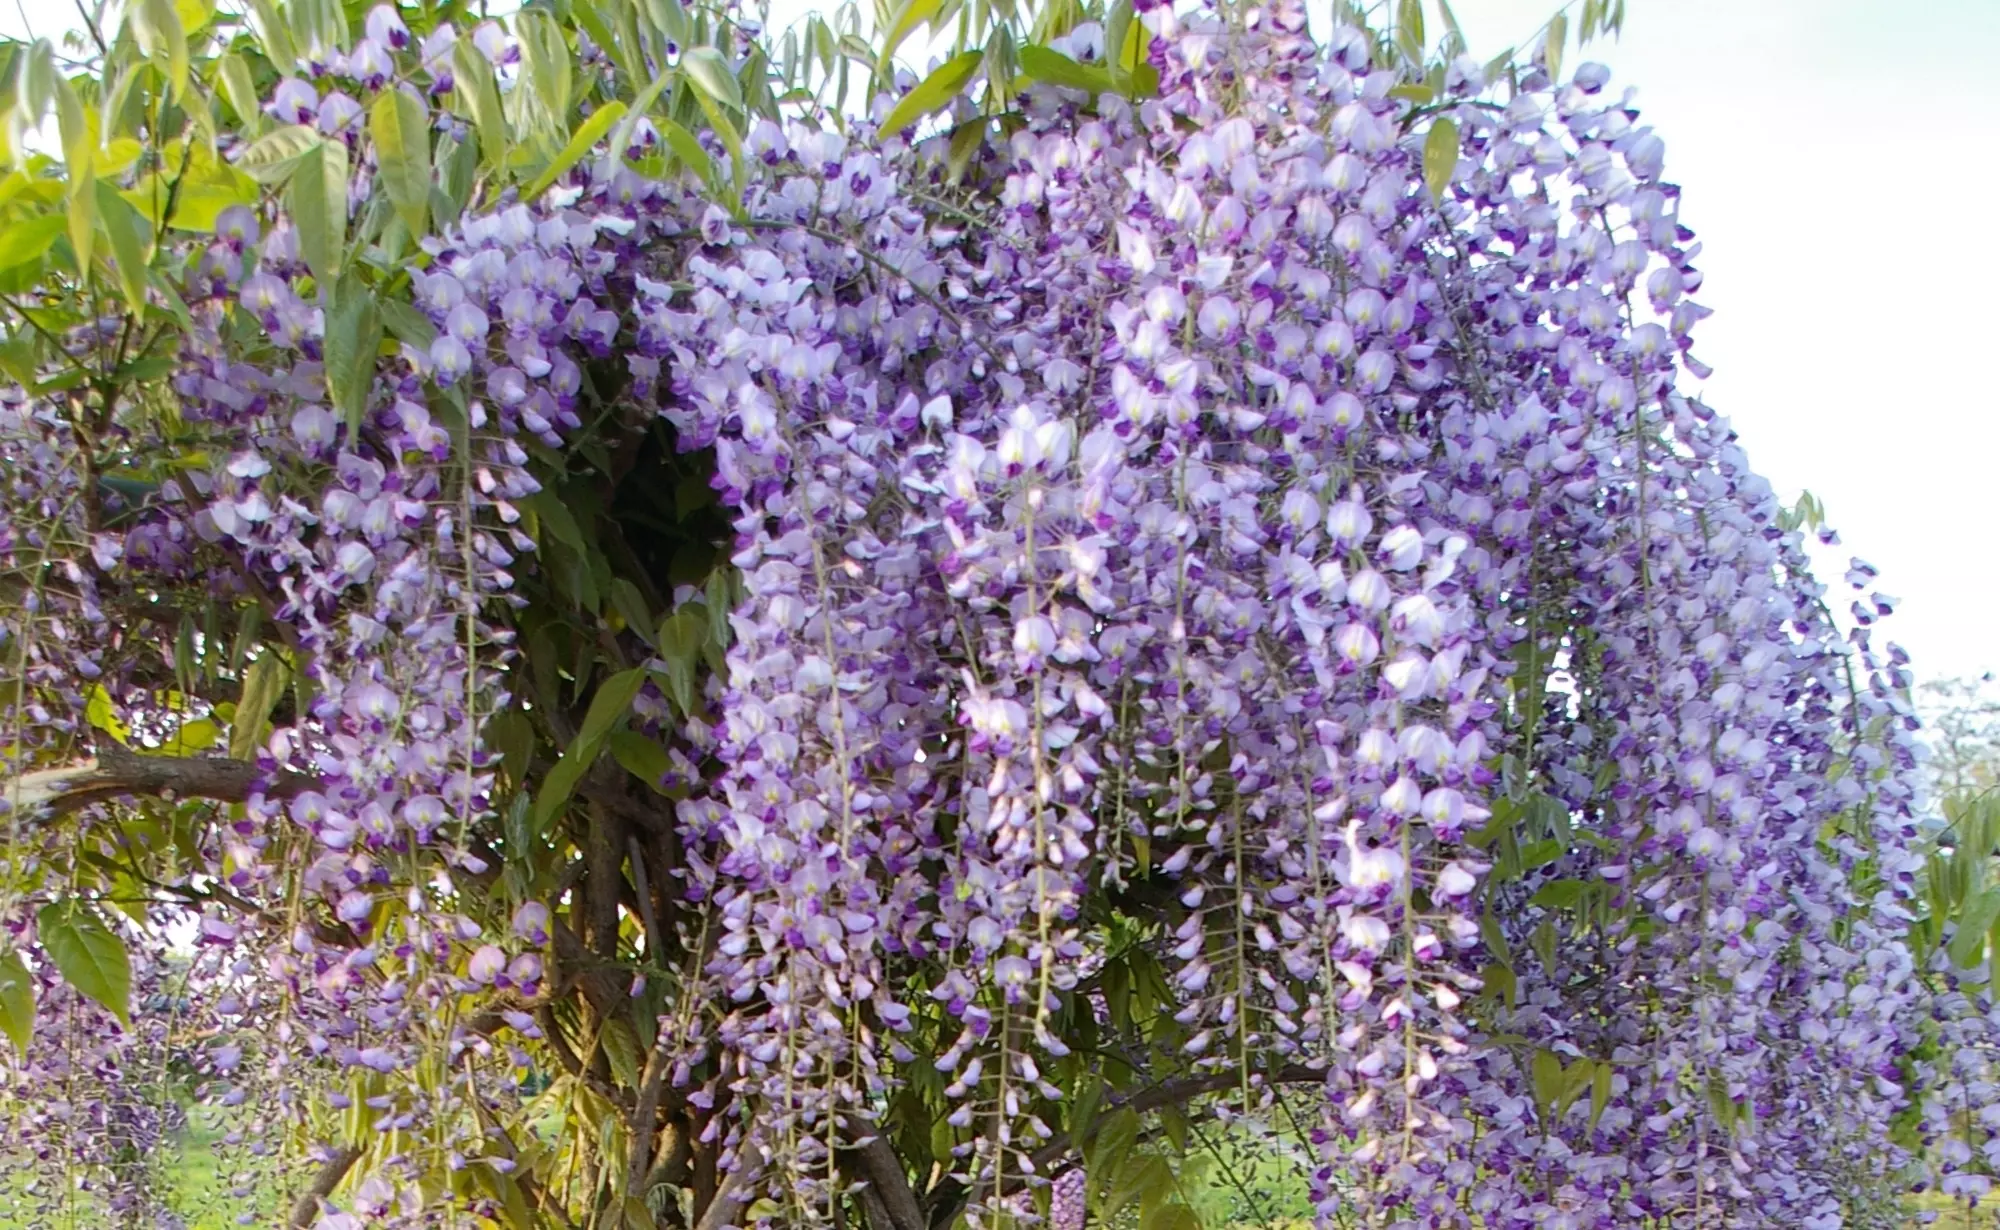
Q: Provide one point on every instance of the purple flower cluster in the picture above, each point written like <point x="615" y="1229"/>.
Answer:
<point x="1224" y="514"/>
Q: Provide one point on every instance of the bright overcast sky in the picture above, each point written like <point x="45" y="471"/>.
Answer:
<point x="1836" y="157"/>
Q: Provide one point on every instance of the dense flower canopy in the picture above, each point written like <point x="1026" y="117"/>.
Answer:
<point x="1257" y="524"/>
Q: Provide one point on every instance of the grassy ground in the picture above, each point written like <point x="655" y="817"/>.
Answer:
<point x="1258" y="1192"/>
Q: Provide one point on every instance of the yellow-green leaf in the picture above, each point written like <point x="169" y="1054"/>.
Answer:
<point x="641" y="757"/>
<point x="1552" y="47"/>
<point x="1052" y="66"/>
<point x="263" y="684"/>
<point x="709" y="73"/>
<point x="79" y="145"/>
<point x="724" y="128"/>
<point x="17" y="1003"/>
<point x="587" y="134"/>
<point x="102" y="712"/>
<point x="1546" y="1073"/>
<point x="272" y="32"/>
<point x="128" y="246"/>
<point x="1600" y="1091"/>
<point x="22" y="242"/>
<point x="274" y="155"/>
<point x="545" y="66"/>
<point x="912" y="14"/>
<point x="195" y="209"/>
<point x="400" y="127"/>
<point x="607" y="708"/>
<point x="621" y="137"/>
<point x="353" y="340"/>
<point x="478" y="95"/>
<point x="687" y="147"/>
<point x="38" y="81"/>
<point x="233" y="74"/>
<point x="157" y="26"/>
<point x="192" y="738"/>
<point x="88" y="954"/>
<point x="318" y="205"/>
<point x="933" y="92"/>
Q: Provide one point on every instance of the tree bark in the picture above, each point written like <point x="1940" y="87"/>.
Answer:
<point x="117" y="771"/>
<point x="305" y="1210"/>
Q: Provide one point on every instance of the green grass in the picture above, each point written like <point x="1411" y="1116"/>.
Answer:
<point x="1264" y="1186"/>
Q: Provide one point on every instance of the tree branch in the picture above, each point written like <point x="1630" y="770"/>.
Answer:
<point x="117" y="771"/>
<point x="891" y="1202"/>
<point x="305" y="1210"/>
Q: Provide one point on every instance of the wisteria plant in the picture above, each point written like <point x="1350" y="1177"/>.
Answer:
<point x="613" y="619"/>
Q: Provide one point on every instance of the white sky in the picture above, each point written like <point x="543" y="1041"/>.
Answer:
<point x="1837" y="161"/>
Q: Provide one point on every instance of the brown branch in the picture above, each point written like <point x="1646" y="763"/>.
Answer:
<point x="731" y="1195"/>
<point x="117" y="772"/>
<point x="890" y="1201"/>
<point x="305" y="1210"/>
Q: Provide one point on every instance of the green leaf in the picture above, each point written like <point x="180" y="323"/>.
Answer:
<point x="353" y="340"/>
<point x="631" y="607"/>
<point x="934" y="92"/>
<point x="1560" y="894"/>
<point x="1143" y="1178"/>
<point x="88" y="954"/>
<point x="272" y="32"/>
<point x="400" y="127"/>
<point x="163" y="39"/>
<point x="17" y="1003"/>
<point x="709" y="73"/>
<point x="641" y="757"/>
<point x="233" y="75"/>
<point x="587" y="135"/>
<point x="621" y="137"/>
<point x="263" y="684"/>
<point x="1109" y="1148"/>
<point x="725" y="128"/>
<point x="128" y="247"/>
<point x="609" y="707"/>
<point x="191" y="738"/>
<point x="545" y="66"/>
<point x="195" y="209"/>
<point x="1575" y="1079"/>
<point x="79" y="147"/>
<point x="681" y="638"/>
<point x="1410" y="30"/>
<point x="1552" y="46"/>
<point x="1546" y="1074"/>
<point x="1049" y="65"/>
<point x="1600" y="1091"/>
<point x="687" y="147"/>
<point x="318" y="203"/>
<point x="1440" y="156"/>
<point x="101" y="712"/>
<point x="1975" y="918"/>
<point x="23" y="242"/>
<point x="273" y="156"/>
<point x="38" y="81"/>
<point x="478" y="95"/>
<point x="1540" y="853"/>
<point x="910" y="15"/>
<point x="1170" y="1215"/>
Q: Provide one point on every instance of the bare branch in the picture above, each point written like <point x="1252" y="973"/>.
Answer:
<point x="890" y="1200"/>
<point x="117" y="772"/>
<point x="305" y="1210"/>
